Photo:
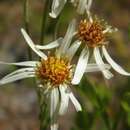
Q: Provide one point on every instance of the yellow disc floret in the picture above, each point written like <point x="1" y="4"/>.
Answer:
<point x="54" y="70"/>
<point x="91" y="33"/>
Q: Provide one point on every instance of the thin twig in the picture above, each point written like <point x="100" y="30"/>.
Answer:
<point x="26" y="23"/>
<point x="44" y="20"/>
<point x="57" y="22"/>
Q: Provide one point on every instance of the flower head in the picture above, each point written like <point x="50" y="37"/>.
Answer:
<point x="54" y="70"/>
<point x="92" y="33"/>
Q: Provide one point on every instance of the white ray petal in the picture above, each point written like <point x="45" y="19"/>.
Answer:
<point x="107" y="74"/>
<point x="54" y="99"/>
<point x="75" y="102"/>
<point x="17" y="77"/>
<point x="55" y="3"/>
<point x="54" y="126"/>
<point x="54" y="14"/>
<point x="89" y="3"/>
<point x="89" y="16"/>
<point x="57" y="6"/>
<point x="81" y="6"/>
<point x="69" y="34"/>
<point x="114" y="65"/>
<point x="67" y="39"/>
<point x="25" y="63"/>
<point x="32" y="45"/>
<point x="64" y="100"/>
<point x="109" y="29"/>
<point x="20" y="71"/>
<point x="73" y="48"/>
<point x="51" y="45"/>
<point x="81" y="66"/>
<point x="95" y="67"/>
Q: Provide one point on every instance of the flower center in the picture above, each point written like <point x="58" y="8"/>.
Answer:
<point x="54" y="71"/>
<point x="91" y="33"/>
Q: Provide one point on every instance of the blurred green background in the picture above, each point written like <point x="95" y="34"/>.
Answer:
<point x="106" y="103"/>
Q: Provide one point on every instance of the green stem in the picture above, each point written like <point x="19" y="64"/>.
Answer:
<point x="26" y="23"/>
<point x="43" y="114"/>
<point x="44" y="20"/>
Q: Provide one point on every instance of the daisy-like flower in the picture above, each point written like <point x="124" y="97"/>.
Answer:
<point x="54" y="72"/>
<point x="93" y="33"/>
<point x="81" y="5"/>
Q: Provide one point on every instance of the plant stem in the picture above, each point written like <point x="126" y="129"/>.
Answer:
<point x="44" y="20"/>
<point x="43" y="105"/>
<point x="26" y="23"/>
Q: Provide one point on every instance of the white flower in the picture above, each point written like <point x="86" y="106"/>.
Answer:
<point x="54" y="72"/>
<point x="57" y="84"/>
<point x="92" y="34"/>
<point x="81" y="5"/>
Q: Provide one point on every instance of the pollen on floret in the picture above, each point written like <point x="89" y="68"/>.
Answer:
<point x="91" y="33"/>
<point x="54" y="70"/>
